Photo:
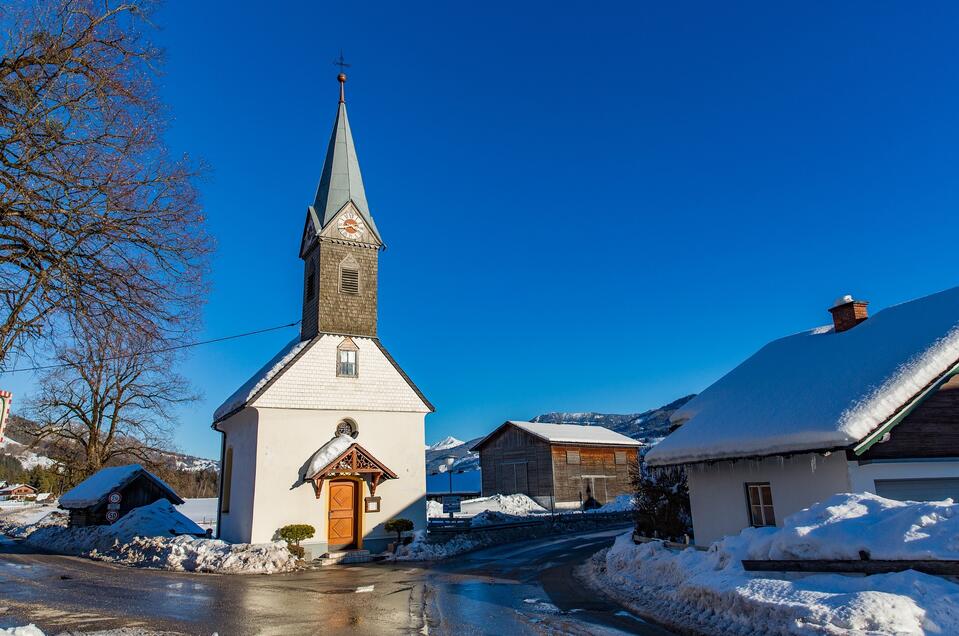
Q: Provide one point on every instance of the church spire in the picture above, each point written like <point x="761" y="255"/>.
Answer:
<point x="340" y="180"/>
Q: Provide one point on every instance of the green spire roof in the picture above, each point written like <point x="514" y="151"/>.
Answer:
<point x="340" y="181"/>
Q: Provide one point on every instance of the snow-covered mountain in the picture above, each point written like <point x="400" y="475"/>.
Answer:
<point x="27" y="458"/>
<point x="649" y="427"/>
<point x="445" y="443"/>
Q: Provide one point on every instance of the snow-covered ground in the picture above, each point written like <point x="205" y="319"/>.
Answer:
<point x="710" y="592"/>
<point x="25" y="630"/>
<point x="157" y="536"/>
<point x="518" y="506"/>
<point x="201" y="511"/>
<point x="18" y="519"/>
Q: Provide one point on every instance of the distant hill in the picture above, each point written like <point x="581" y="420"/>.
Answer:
<point x="649" y="427"/>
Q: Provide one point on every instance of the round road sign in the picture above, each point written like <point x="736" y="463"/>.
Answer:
<point x="112" y="515"/>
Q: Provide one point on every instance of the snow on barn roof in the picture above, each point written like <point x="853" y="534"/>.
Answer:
<point x="566" y="434"/>
<point x="820" y="389"/>
<point x="94" y="489"/>
<point x="250" y="388"/>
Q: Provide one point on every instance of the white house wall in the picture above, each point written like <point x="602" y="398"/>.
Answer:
<point x="311" y="382"/>
<point x="863" y="475"/>
<point x="287" y="439"/>
<point x="240" y="429"/>
<point x="718" y="497"/>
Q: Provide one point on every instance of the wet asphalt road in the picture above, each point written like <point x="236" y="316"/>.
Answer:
<point x="519" y="588"/>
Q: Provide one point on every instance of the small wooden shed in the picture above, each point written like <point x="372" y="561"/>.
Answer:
<point x="112" y="492"/>
<point x="560" y="466"/>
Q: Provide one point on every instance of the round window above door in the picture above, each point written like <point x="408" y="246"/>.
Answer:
<point x="347" y="427"/>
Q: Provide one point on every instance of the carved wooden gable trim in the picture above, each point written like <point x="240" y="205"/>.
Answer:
<point x="355" y="461"/>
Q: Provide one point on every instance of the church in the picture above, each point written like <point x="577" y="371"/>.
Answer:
<point x="330" y="432"/>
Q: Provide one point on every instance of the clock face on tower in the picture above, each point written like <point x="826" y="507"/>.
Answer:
<point x="351" y="226"/>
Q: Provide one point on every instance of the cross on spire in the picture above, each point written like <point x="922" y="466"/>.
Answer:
<point x="341" y="62"/>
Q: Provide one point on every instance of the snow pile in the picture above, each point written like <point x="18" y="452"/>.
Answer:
<point x="801" y="392"/>
<point x="260" y="378"/>
<point x="26" y="630"/>
<point x="710" y="592"/>
<point x="421" y="550"/>
<point x="327" y="453"/>
<point x="492" y="517"/>
<point x="94" y="488"/>
<point x="518" y="505"/>
<point x="19" y="521"/>
<point x="152" y="536"/>
<point x="434" y="509"/>
<point x="622" y="503"/>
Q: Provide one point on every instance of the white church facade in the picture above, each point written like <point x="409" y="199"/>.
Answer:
<point x="330" y="432"/>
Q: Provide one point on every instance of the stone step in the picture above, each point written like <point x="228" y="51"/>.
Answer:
<point x="345" y="557"/>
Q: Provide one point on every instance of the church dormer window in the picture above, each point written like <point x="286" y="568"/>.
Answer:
<point x="346" y="359"/>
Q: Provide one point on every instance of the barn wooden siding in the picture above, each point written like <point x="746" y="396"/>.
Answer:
<point x="515" y="461"/>
<point x="931" y="430"/>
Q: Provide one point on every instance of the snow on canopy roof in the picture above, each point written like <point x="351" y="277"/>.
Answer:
<point x="819" y="389"/>
<point x="250" y="388"/>
<point x="97" y="486"/>
<point x="327" y="453"/>
<point x="567" y="433"/>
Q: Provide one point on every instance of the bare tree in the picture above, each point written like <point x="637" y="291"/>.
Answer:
<point x="97" y="220"/>
<point x="112" y="400"/>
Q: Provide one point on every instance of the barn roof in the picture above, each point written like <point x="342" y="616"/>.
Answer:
<point x="94" y="489"/>
<point x="565" y="434"/>
<point x="819" y="389"/>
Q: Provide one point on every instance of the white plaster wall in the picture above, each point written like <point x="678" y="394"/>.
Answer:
<point x="241" y="434"/>
<point x="863" y="476"/>
<point x="286" y="440"/>
<point x="312" y="383"/>
<point x="718" y="498"/>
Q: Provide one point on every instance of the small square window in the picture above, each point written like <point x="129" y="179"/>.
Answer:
<point x="620" y="457"/>
<point x="349" y="280"/>
<point x="346" y="363"/>
<point x="572" y="457"/>
<point x="759" y="499"/>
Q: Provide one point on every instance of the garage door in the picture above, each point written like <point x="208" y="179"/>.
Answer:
<point x="918" y="489"/>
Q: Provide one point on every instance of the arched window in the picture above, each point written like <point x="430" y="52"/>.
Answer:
<point x="226" y="475"/>
<point x="347" y="359"/>
<point x="349" y="275"/>
<point x="347" y="427"/>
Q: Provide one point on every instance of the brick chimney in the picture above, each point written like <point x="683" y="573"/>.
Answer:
<point x="848" y="312"/>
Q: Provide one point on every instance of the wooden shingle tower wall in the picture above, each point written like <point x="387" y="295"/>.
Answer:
<point x="340" y="246"/>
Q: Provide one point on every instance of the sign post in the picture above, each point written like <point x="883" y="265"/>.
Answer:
<point x="6" y="397"/>
<point x="451" y="504"/>
<point x="113" y="506"/>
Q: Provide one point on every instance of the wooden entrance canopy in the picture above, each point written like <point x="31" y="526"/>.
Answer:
<point x="355" y="461"/>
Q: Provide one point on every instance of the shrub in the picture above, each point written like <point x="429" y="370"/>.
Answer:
<point x="399" y="526"/>
<point x="295" y="533"/>
<point x="662" y="501"/>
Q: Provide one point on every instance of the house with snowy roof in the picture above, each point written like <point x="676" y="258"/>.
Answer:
<point x="110" y="493"/>
<point x="866" y="404"/>
<point x="560" y="466"/>
<point x="331" y="431"/>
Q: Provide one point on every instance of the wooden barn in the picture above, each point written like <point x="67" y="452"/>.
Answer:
<point x="110" y="493"/>
<point x="560" y="466"/>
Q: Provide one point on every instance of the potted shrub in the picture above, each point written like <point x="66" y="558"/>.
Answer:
<point x="399" y="526"/>
<point x="293" y="534"/>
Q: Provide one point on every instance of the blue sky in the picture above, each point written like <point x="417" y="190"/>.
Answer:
<point x="597" y="207"/>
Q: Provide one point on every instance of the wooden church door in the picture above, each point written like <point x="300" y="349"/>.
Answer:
<point x="342" y="525"/>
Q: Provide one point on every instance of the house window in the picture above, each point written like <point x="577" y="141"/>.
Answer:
<point x="227" y="477"/>
<point x="347" y="367"/>
<point x="619" y="457"/>
<point x="572" y="457"/>
<point x="759" y="498"/>
<point x="349" y="280"/>
<point x="347" y="427"/>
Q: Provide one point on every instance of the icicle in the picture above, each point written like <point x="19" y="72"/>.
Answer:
<point x="812" y="463"/>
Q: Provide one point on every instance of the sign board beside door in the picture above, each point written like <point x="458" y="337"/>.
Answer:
<point x="451" y="504"/>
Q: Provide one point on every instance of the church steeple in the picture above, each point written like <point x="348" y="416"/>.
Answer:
<point x="340" y="180"/>
<point x="340" y="246"/>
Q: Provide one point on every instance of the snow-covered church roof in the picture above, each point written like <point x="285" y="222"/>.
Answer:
<point x="566" y="434"/>
<point x="820" y="389"/>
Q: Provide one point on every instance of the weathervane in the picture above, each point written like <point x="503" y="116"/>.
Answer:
<point x="341" y="62"/>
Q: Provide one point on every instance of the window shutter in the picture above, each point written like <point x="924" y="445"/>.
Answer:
<point x="620" y="457"/>
<point x="572" y="457"/>
<point x="350" y="281"/>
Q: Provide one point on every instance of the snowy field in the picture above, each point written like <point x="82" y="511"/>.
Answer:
<point x="710" y="592"/>
<point x="201" y="511"/>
